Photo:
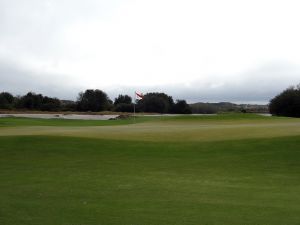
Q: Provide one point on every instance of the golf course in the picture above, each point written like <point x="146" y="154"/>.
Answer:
<point x="225" y="169"/>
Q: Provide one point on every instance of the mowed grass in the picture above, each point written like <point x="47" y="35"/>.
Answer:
<point x="152" y="179"/>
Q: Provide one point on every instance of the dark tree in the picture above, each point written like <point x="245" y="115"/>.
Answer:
<point x="156" y="102"/>
<point x="6" y="100"/>
<point x="68" y="105"/>
<point x="286" y="103"/>
<point x="123" y="107"/>
<point x="124" y="99"/>
<point x="93" y="100"/>
<point x="30" y="101"/>
<point x="34" y="101"/>
<point x="181" y="107"/>
<point x="50" y="104"/>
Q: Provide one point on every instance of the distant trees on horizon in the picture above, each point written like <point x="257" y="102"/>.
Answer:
<point x="95" y="101"/>
<point x="30" y="101"/>
<point x="286" y="103"/>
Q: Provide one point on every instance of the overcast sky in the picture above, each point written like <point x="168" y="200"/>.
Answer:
<point x="212" y="50"/>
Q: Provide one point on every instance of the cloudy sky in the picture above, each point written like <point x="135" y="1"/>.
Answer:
<point x="210" y="50"/>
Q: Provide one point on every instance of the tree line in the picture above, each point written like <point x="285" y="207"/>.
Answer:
<point x="286" y="103"/>
<point x="95" y="100"/>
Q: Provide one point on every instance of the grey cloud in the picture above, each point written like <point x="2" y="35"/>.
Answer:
<point x="36" y="28"/>
<point x="258" y="85"/>
<point x="255" y="86"/>
<point x="18" y="80"/>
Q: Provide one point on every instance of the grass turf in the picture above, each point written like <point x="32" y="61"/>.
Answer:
<point x="78" y="181"/>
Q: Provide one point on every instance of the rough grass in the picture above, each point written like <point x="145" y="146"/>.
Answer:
<point x="153" y="180"/>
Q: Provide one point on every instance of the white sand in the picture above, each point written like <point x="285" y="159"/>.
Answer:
<point x="62" y="116"/>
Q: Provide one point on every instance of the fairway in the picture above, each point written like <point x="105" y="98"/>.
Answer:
<point x="235" y="169"/>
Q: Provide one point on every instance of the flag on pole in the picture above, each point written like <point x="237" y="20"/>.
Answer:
<point x="139" y="95"/>
<point x="136" y="96"/>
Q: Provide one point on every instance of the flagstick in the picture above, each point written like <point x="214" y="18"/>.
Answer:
<point x="134" y="108"/>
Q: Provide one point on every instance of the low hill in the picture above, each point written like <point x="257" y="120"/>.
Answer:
<point x="211" y="108"/>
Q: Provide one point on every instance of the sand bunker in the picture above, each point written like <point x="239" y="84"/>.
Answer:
<point x="62" y="116"/>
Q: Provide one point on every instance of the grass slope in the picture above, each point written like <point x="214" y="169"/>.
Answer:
<point x="151" y="181"/>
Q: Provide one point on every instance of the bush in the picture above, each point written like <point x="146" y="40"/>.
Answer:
<point x="30" y="101"/>
<point x="181" y="107"/>
<point x="50" y="104"/>
<point x="125" y="99"/>
<point x="123" y="107"/>
<point x="156" y="102"/>
<point x="286" y="103"/>
<point x="93" y="100"/>
<point x="6" y="100"/>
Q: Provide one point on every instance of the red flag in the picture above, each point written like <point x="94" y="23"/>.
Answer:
<point x="139" y="95"/>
